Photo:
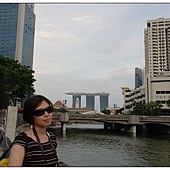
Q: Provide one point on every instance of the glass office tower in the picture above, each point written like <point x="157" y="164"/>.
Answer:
<point x="138" y="77"/>
<point x="17" y="29"/>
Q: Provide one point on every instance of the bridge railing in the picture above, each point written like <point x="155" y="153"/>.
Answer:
<point x="93" y="116"/>
<point x="129" y="118"/>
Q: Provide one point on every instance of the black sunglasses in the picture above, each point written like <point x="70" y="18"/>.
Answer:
<point x="40" y="112"/>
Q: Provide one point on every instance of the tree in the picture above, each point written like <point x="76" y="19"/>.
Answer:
<point x="150" y="109"/>
<point x="61" y="110"/>
<point x="106" y="111"/>
<point x="154" y="108"/>
<point x="16" y="81"/>
<point x="139" y="109"/>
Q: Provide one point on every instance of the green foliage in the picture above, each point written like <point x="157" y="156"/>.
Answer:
<point x="16" y="81"/>
<point x="140" y="109"/>
<point x="150" y="109"/>
<point x="106" y="111"/>
<point x="168" y="103"/>
<point x="77" y="113"/>
<point x="61" y="110"/>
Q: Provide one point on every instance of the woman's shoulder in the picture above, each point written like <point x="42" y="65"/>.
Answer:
<point x="21" y="139"/>
<point x="22" y="136"/>
<point x="53" y="139"/>
<point x="52" y="136"/>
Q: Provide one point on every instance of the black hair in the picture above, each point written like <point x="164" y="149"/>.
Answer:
<point x="31" y="104"/>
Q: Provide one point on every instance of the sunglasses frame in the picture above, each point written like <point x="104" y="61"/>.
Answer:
<point x="40" y="112"/>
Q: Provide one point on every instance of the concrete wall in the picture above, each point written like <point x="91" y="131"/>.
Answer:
<point x="11" y="121"/>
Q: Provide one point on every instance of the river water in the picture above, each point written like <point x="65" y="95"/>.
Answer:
<point x="89" y="145"/>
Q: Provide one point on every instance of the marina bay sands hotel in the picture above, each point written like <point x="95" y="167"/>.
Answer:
<point x="90" y="99"/>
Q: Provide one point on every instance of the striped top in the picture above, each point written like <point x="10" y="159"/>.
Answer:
<point x="33" y="153"/>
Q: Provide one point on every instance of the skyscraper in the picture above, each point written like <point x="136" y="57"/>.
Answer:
<point x="90" y="101"/>
<point x="138" y="77"/>
<point x="157" y="46"/>
<point x="17" y="28"/>
<point x="104" y="102"/>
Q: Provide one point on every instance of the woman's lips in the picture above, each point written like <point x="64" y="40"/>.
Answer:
<point x="47" y="120"/>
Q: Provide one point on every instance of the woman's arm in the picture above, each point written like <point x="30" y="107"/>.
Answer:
<point x="16" y="156"/>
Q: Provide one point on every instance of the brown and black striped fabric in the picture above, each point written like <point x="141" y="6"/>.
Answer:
<point x="33" y="153"/>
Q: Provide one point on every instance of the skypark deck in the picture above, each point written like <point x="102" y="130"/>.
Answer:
<point x="88" y="94"/>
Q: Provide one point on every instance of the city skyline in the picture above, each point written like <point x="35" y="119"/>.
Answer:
<point x="90" y="47"/>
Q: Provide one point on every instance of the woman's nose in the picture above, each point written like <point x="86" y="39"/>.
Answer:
<point x="46" y="113"/>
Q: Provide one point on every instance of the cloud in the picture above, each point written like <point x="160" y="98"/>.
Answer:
<point x="57" y="37"/>
<point x="93" y="23"/>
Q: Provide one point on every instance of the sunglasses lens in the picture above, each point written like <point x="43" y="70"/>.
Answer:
<point x="38" y="112"/>
<point x="49" y="109"/>
<point x="42" y="111"/>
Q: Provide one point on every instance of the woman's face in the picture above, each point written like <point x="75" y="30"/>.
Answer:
<point x="45" y="119"/>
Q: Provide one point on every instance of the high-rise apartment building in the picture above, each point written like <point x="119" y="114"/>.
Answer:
<point x="138" y="77"/>
<point x="17" y="28"/>
<point x="157" y="46"/>
<point x="157" y="62"/>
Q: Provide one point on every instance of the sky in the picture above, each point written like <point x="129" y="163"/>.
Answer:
<point x="90" y="47"/>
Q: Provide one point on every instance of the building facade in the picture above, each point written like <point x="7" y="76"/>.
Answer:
<point x="17" y="29"/>
<point x="157" y="46"/>
<point x="138" y="77"/>
<point x="158" y="89"/>
<point x="104" y="102"/>
<point x="133" y="97"/>
<point x="90" y="102"/>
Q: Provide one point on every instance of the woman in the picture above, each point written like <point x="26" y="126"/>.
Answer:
<point x="35" y="147"/>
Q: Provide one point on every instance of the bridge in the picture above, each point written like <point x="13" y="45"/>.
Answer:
<point x="131" y="123"/>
